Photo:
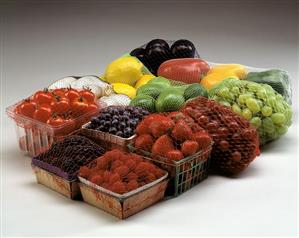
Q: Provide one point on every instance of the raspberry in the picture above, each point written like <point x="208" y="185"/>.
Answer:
<point x="97" y="179"/>
<point x="118" y="187"/>
<point x="132" y="185"/>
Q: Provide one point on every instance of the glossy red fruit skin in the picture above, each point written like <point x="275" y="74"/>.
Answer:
<point x="42" y="114"/>
<point x="72" y="94"/>
<point x="187" y="70"/>
<point x="26" y="108"/>
<point x="43" y="97"/>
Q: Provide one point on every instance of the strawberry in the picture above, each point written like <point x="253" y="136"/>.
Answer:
<point x="189" y="147"/>
<point x="143" y="126"/>
<point x="181" y="131"/>
<point x="202" y="138"/>
<point x="144" y="142"/>
<point x="163" y="145"/>
<point x="175" y="155"/>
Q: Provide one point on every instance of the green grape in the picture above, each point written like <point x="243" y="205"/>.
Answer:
<point x="253" y="87"/>
<point x="266" y="111"/>
<point x="236" y="109"/>
<point x="235" y="90"/>
<point x="247" y="114"/>
<point x="242" y="98"/>
<point x="288" y="115"/>
<point x="272" y="101"/>
<point x="262" y="94"/>
<point x="256" y="122"/>
<point x="225" y="103"/>
<point x="278" y="118"/>
<point x="268" y="125"/>
<point x="281" y="129"/>
<point x="279" y="97"/>
<point x="253" y="105"/>
<point x="224" y="92"/>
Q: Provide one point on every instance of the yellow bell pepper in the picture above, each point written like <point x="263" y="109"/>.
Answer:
<point x="220" y="72"/>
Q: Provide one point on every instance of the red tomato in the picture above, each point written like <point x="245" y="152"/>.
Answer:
<point x="26" y="108"/>
<point x="92" y="106"/>
<point x="87" y="95"/>
<point x="56" y="121"/>
<point x="72" y="94"/>
<point x="187" y="70"/>
<point x="42" y="114"/>
<point x="43" y="97"/>
<point x="60" y="105"/>
<point x="59" y="92"/>
<point x="79" y="106"/>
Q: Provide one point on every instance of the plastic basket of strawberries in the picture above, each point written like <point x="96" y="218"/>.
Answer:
<point x="175" y="143"/>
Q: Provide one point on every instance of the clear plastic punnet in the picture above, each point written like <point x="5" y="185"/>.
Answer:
<point x="35" y="137"/>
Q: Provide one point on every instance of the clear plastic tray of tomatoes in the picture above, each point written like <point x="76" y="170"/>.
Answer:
<point x="38" y="125"/>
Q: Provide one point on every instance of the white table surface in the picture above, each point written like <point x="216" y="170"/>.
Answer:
<point x="44" y="42"/>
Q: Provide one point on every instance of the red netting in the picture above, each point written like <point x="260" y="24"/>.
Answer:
<point x="236" y="143"/>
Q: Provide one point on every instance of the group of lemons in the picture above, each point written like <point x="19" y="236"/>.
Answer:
<point x="126" y="75"/>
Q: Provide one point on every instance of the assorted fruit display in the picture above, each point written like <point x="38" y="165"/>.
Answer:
<point x="119" y="121"/>
<point x="180" y="116"/>
<point x="121" y="172"/>
<point x="258" y="103"/>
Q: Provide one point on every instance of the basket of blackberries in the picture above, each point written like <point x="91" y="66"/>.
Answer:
<point x="115" y="126"/>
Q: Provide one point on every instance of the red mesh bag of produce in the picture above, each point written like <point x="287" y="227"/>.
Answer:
<point x="236" y="142"/>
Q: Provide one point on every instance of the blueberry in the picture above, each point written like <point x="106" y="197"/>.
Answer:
<point x="115" y="122"/>
<point x="115" y="117"/>
<point x="107" y="124"/>
<point x="112" y="130"/>
<point x="101" y="127"/>
<point x="102" y="122"/>
<point x="132" y="123"/>
<point x="95" y="120"/>
<point x="126" y="113"/>
<point x="125" y="118"/>
<point x="122" y="125"/>
<point x="120" y="134"/>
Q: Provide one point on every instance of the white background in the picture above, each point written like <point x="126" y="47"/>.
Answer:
<point x="44" y="42"/>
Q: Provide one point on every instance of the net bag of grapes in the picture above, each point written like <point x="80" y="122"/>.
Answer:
<point x="260" y="104"/>
<point x="236" y="142"/>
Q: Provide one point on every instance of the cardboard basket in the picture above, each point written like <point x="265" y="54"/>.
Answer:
<point x="123" y="205"/>
<point x="106" y="140"/>
<point x="59" y="184"/>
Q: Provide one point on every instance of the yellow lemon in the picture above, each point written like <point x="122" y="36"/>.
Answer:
<point x="125" y="70"/>
<point x="126" y="89"/>
<point x="144" y="80"/>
